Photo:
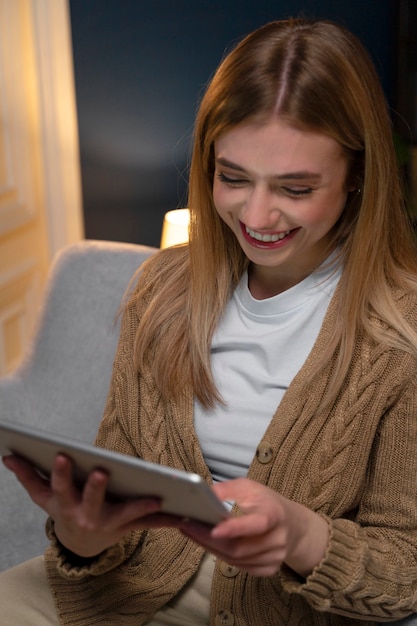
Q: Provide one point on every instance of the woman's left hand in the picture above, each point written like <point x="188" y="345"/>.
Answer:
<point x="271" y="530"/>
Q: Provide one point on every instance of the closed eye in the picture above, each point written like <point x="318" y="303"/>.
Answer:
<point x="291" y="191"/>
<point x="294" y="192"/>
<point x="236" y="182"/>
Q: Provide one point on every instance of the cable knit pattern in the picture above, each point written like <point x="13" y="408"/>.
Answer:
<point x="354" y="463"/>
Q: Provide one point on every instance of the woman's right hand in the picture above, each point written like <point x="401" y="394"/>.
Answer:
<point x="85" y="522"/>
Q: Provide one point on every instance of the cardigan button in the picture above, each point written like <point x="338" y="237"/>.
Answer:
<point x="264" y="452"/>
<point x="230" y="571"/>
<point x="224" y="618"/>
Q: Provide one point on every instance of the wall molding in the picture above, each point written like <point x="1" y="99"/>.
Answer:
<point x="60" y="145"/>
<point x="19" y="287"/>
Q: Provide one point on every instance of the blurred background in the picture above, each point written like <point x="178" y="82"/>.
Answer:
<point x="140" y="70"/>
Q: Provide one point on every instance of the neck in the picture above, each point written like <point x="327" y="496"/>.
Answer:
<point x="264" y="285"/>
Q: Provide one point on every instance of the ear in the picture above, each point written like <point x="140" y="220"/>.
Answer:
<point x="353" y="188"/>
<point x="354" y="184"/>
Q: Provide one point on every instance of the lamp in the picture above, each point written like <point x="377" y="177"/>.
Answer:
<point x="175" y="227"/>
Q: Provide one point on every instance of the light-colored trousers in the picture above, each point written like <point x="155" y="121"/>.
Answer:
<point x="25" y="599"/>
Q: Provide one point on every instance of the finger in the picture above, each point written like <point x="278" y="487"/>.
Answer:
<point x="251" y="525"/>
<point x="199" y="532"/>
<point x="94" y="493"/>
<point x="17" y="464"/>
<point x="37" y="486"/>
<point x="225" y="550"/>
<point x="62" y="482"/>
<point x="236" y="489"/>
<point x="242" y="550"/>
<point x="265" y="563"/>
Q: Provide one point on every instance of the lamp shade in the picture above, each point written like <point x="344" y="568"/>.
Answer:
<point x="175" y="227"/>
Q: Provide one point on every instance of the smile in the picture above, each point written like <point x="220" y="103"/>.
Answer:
<point x="267" y="237"/>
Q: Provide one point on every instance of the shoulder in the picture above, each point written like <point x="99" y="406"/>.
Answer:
<point x="160" y="280"/>
<point x="163" y="264"/>
<point x="395" y="330"/>
<point x="158" y="272"/>
<point x="153" y="290"/>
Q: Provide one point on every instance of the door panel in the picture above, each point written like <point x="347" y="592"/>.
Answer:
<point x="26" y="243"/>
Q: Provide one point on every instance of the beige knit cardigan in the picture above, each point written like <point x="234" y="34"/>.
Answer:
<point x="355" y="464"/>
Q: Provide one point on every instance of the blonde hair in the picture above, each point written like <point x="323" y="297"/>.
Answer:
<point x="316" y="76"/>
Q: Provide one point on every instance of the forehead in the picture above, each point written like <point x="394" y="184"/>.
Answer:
<point x="276" y="144"/>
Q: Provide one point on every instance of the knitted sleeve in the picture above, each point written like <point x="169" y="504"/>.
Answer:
<point x="370" y="568"/>
<point x="113" y="435"/>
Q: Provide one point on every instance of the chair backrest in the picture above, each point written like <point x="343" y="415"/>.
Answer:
<point x="62" y="383"/>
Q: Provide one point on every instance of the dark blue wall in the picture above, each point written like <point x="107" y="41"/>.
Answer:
<point x="140" y="69"/>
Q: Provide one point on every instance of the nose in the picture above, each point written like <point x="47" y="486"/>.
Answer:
<point x="261" y="210"/>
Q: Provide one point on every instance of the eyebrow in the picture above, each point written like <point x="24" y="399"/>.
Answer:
<point x="301" y="175"/>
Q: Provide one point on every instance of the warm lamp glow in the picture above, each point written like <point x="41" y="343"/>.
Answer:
<point x="175" y="227"/>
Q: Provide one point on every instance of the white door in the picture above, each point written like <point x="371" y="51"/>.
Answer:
<point x="40" y="199"/>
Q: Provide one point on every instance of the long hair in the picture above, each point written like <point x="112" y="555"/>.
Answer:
<point x="316" y="76"/>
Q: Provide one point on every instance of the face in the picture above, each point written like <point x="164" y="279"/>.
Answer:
<point x="280" y="190"/>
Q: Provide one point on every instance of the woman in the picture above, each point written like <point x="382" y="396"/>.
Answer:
<point x="274" y="355"/>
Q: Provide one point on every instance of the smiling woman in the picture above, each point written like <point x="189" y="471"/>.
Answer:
<point x="281" y="190"/>
<point x="274" y="354"/>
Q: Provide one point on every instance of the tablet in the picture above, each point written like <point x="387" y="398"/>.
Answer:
<point x="181" y="493"/>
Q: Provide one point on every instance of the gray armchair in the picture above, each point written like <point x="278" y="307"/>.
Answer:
<point x="62" y="383"/>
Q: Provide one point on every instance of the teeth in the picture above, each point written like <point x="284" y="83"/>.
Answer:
<point x="266" y="238"/>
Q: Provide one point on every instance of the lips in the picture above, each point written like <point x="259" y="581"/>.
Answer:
<point x="266" y="240"/>
<point x="267" y="237"/>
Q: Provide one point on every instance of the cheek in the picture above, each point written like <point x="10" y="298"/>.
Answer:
<point x="216" y="193"/>
<point x="327" y="213"/>
<point x="220" y="200"/>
